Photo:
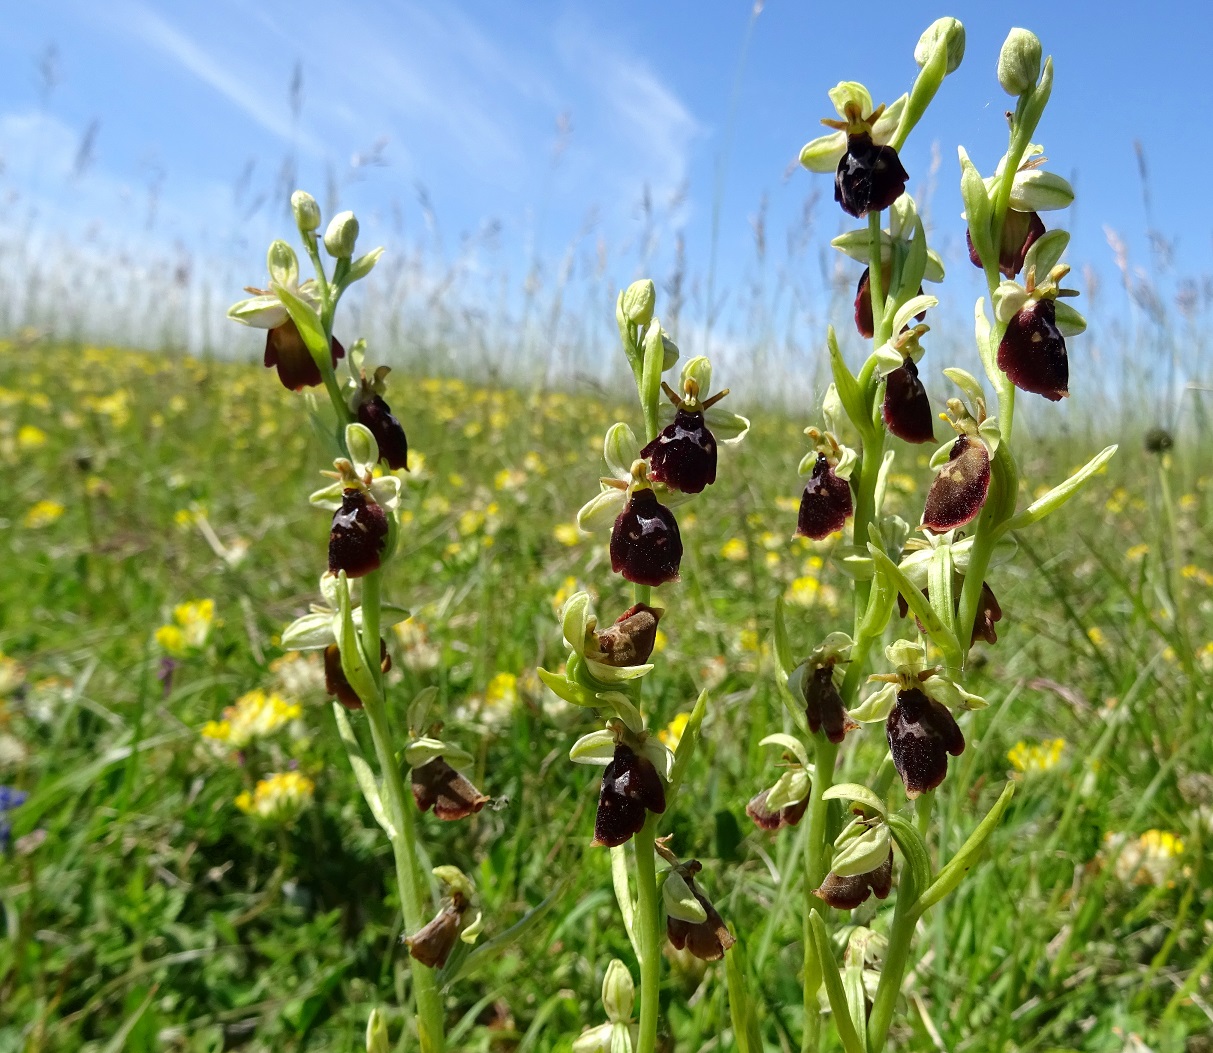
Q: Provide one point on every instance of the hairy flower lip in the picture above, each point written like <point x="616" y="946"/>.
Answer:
<point x="1032" y="352"/>
<point x="906" y="408"/>
<point x="921" y="733"/>
<point x="824" y="708"/>
<point x="826" y="503"/>
<point x="631" y="787"/>
<point x="358" y="535"/>
<point x="646" y="547"/>
<point x="683" y="455"/>
<point x="959" y="490"/>
<point x="869" y="178"/>
<point x="452" y="796"/>
<point x="376" y="415"/>
<point x="285" y="350"/>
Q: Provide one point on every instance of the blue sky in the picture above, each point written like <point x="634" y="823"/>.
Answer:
<point x="536" y="129"/>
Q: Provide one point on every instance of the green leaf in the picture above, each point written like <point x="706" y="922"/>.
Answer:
<point x="961" y="863"/>
<point x="353" y="662"/>
<point x="943" y="637"/>
<point x="363" y="774"/>
<point x="913" y="851"/>
<point x="848" y="387"/>
<point x="307" y="321"/>
<point x="742" y="1010"/>
<point x="783" y="643"/>
<point x="851" y="1042"/>
<point x="1060" y="494"/>
<point x="686" y="748"/>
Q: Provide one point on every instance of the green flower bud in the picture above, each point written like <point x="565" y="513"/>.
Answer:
<point x="1019" y="62"/>
<point x="282" y="264"/>
<point x="340" y="236"/>
<point x="943" y="32"/>
<point x="307" y="212"/>
<point x="639" y="300"/>
<point x="618" y="992"/>
<point x="376" y="1026"/>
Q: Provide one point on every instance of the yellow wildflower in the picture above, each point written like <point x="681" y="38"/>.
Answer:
<point x="1096" y="635"/>
<point x="43" y="514"/>
<point x="660" y="642"/>
<point x="803" y="591"/>
<point x="502" y="691"/>
<point x="1036" y="756"/>
<point x="748" y="640"/>
<point x="1137" y="553"/>
<point x="189" y="629"/>
<point x="734" y="550"/>
<point x="1147" y="860"/>
<point x="672" y="733"/>
<point x="1191" y="572"/>
<point x="279" y="797"/>
<point x="568" y="534"/>
<point x="30" y="437"/>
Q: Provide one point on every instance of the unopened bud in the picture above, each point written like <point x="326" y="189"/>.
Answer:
<point x="618" y="992"/>
<point x="341" y="235"/>
<point x="376" y="1033"/>
<point x="282" y="264"/>
<point x="1019" y="62"/>
<point x="639" y="299"/>
<point x="307" y="212"/>
<point x="943" y="32"/>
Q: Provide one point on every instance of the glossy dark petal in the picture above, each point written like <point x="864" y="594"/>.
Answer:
<point x="906" y="408"/>
<point x="847" y="893"/>
<point x="1019" y="231"/>
<point x="439" y="786"/>
<point x="432" y="944"/>
<point x="630" y="787"/>
<point x="788" y="816"/>
<point x="335" y="681"/>
<point x="960" y="488"/>
<point x="988" y="612"/>
<point x="869" y="177"/>
<point x="921" y="734"/>
<point x="375" y="415"/>
<point x="683" y="455"/>
<point x="863" y="305"/>
<point x="631" y="639"/>
<point x="358" y="534"/>
<point x="825" y="505"/>
<point x="706" y="940"/>
<point x="285" y="349"/>
<point x="646" y="547"/>
<point x="823" y="706"/>
<point x="1032" y="352"/>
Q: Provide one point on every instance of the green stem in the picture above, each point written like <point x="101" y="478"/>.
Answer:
<point x="409" y="880"/>
<point x="865" y="509"/>
<point x="825" y="755"/>
<point x="896" y="959"/>
<point x="876" y="275"/>
<point x="648" y="936"/>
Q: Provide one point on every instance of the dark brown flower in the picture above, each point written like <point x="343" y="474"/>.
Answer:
<point x="847" y="893"/>
<point x="960" y="488"/>
<point x="988" y="611"/>
<point x="708" y="939"/>
<point x="869" y="177"/>
<point x="630" y="788"/>
<point x="1032" y="351"/>
<point x="683" y="456"/>
<point x="823" y="705"/>
<point x="906" y="408"/>
<point x="432" y="944"/>
<point x="439" y="786"/>
<point x="921" y="733"/>
<point x="789" y="815"/>
<point x="631" y="639"/>
<point x="285" y="349"/>
<point x="646" y="547"/>
<point x="1019" y="231"/>
<point x="825" y="505"/>
<point x="376" y="415"/>
<point x="863" y="306"/>
<point x="358" y="535"/>
<point x="335" y="681"/>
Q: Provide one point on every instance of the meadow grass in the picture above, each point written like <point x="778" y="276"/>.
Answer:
<point x="143" y="910"/>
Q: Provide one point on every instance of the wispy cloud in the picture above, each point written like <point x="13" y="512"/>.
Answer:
<point x="159" y="34"/>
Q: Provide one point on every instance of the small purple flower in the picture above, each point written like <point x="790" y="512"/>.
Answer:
<point x="10" y="800"/>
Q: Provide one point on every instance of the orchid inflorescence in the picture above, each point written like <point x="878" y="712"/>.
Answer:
<point x="967" y="524"/>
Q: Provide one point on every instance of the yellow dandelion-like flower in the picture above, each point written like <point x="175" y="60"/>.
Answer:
<point x="567" y="534"/>
<point x="1150" y="859"/>
<point x="803" y="591"/>
<point x="1036" y="756"/>
<point x="1188" y="502"/>
<point x="253" y="715"/>
<point x="217" y="730"/>
<point x="734" y="550"/>
<point x="660" y="642"/>
<point x="787" y="504"/>
<point x="1137" y="553"/>
<point x="562" y="594"/>
<point x="1096" y="635"/>
<point x="189" y="629"/>
<point x="42" y="514"/>
<point x="279" y="797"/>
<point x="672" y="733"/>
<point x="1191" y="572"/>
<point x="748" y="640"/>
<point x="30" y="437"/>
<point x="502" y="691"/>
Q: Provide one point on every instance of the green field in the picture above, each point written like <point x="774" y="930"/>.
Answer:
<point x="144" y="910"/>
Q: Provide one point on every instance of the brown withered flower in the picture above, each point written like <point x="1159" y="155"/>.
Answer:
<point x="824" y="708"/>
<point x="630" y="641"/>
<point x="286" y="351"/>
<point x="707" y="939"/>
<point x="1020" y="230"/>
<point x="433" y="942"/>
<point x="335" y="681"/>
<point x="776" y="819"/>
<point x="451" y="795"/>
<point x="847" y="893"/>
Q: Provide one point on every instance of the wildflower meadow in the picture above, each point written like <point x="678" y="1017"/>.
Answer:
<point x="350" y="704"/>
